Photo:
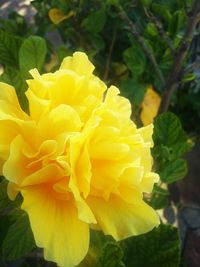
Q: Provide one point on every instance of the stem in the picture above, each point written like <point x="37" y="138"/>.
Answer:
<point x="173" y="79"/>
<point x="143" y="44"/>
<point x="192" y="67"/>
<point x="107" y="68"/>
<point x="160" y="29"/>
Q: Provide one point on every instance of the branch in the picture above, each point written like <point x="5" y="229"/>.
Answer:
<point x="160" y="29"/>
<point x="107" y="68"/>
<point x="191" y="67"/>
<point x="173" y="79"/>
<point x="143" y="44"/>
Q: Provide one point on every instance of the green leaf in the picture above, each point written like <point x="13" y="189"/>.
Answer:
<point x="32" y="54"/>
<point x="133" y="91"/>
<point x="162" y="11"/>
<point x="160" y="247"/>
<point x="5" y="222"/>
<point x="9" y="48"/>
<point x="146" y="3"/>
<point x="95" y="22"/>
<point x="159" y="198"/>
<point x="171" y="142"/>
<point x="161" y="191"/>
<point x="135" y="60"/>
<point x="13" y="77"/>
<point x="111" y="256"/>
<point x="188" y="77"/>
<point x="19" y="240"/>
<point x="173" y="171"/>
<point x="4" y="200"/>
<point x="96" y="254"/>
<point x="151" y="29"/>
<point x="97" y="42"/>
<point x="177" y="22"/>
<point x="113" y="2"/>
<point x="159" y="201"/>
<point x="167" y="129"/>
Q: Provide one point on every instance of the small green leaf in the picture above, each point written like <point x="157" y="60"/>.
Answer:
<point x="177" y="22"/>
<point x="159" y="201"/>
<point x="9" y="48"/>
<point x="188" y="78"/>
<point x="160" y="247"/>
<point x="173" y="171"/>
<point x="5" y="222"/>
<point x="95" y="22"/>
<point x="32" y="54"/>
<point x="135" y="60"/>
<point x="4" y="200"/>
<point x="151" y="29"/>
<point x="146" y="3"/>
<point x="133" y="91"/>
<point x="160" y="190"/>
<point x="19" y="240"/>
<point x="113" y="2"/>
<point x="159" y="198"/>
<point x="13" y="77"/>
<point x="111" y="256"/>
<point x="162" y="10"/>
<point x="166" y="129"/>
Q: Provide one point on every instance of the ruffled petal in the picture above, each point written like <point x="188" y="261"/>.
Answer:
<point x="120" y="219"/>
<point x="56" y="226"/>
<point x="8" y="94"/>
<point x="78" y="63"/>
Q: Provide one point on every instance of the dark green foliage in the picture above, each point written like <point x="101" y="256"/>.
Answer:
<point x="9" y="47"/>
<point x="111" y="256"/>
<point x="160" y="247"/>
<point x="170" y="144"/>
<point x="4" y="200"/>
<point x="133" y="91"/>
<point x="135" y="60"/>
<point x="19" y="239"/>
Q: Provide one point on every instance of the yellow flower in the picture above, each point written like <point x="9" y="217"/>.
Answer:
<point x="77" y="159"/>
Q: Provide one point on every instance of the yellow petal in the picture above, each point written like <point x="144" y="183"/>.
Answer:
<point x="12" y="119"/>
<point x="146" y="133"/>
<point x="8" y="94"/>
<point x="78" y="63"/>
<point x="118" y="103"/>
<point x="83" y="171"/>
<point x="150" y="106"/>
<point x="25" y="171"/>
<point x="64" y="87"/>
<point x="12" y="190"/>
<point x="148" y="182"/>
<point x="56" y="227"/>
<point x="120" y="219"/>
<point x="56" y="15"/>
<point x="37" y="106"/>
<point x="14" y="168"/>
<point x="58" y="121"/>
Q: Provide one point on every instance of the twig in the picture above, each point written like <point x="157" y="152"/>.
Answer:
<point x="173" y="79"/>
<point x="160" y="29"/>
<point x="107" y="68"/>
<point x="143" y="44"/>
<point x="191" y="67"/>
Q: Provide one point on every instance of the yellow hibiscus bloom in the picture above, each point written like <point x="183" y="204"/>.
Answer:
<point x="77" y="159"/>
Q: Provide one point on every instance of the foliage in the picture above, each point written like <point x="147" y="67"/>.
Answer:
<point x="116" y="47"/>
